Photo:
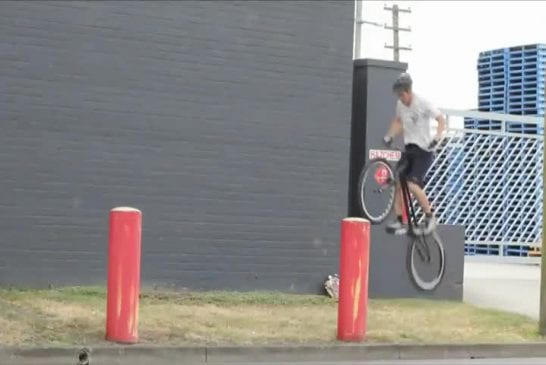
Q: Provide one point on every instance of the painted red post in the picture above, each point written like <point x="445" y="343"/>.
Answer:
<point x="353" y="279"/>
<point x="123" y="275"/>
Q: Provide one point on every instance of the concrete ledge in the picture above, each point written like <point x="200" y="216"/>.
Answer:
<point x="160" y="355"/>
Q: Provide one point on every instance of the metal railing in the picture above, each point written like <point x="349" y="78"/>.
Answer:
<point x="490" y="181"/>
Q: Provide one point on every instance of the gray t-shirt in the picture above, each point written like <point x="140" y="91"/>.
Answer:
<point x="416" y="120"/>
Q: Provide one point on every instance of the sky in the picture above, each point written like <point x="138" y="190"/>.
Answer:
<point x="446" y="38"/>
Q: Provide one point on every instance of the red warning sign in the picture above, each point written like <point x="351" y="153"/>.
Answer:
<point x="381" y="175"/>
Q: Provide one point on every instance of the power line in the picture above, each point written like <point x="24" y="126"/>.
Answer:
<point x="372" y="23"/>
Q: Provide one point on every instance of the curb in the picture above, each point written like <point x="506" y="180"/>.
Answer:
<point x="372" y="352"/>
<point x="159" y="355"/>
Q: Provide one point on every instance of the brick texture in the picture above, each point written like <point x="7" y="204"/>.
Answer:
<point x="226" y="123"/>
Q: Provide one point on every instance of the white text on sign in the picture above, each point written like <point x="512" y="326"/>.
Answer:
<point x="388" y="155"/>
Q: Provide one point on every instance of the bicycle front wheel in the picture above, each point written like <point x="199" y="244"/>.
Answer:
<point x="376" y="190"/>
<point x="426" y="261"/>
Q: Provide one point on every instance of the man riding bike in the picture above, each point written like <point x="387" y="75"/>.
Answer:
<point x="412" y="119"/>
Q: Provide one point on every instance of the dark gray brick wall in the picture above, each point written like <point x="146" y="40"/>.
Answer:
<point x="226" y="123"/>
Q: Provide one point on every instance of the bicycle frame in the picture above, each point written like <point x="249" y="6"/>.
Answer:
<point x="412" y="218"/>
<point x="407" y="203"/>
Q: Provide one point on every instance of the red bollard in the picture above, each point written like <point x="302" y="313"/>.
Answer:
<point x="353" y="279"/>
<point x="123" y="275"/>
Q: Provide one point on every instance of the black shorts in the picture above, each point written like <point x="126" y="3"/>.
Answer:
<point x="414" y="164"/>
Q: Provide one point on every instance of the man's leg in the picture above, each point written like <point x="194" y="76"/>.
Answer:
<point x="421" y="197"/>
<point x="397" y="226"/>
<point x="398" y="206"/>
<point x="420" y="163"/>
<point x="402" y="168"/>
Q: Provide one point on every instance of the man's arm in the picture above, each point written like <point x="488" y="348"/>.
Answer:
<point x="439" y="130"/>
<point x="441" y="127"/>
<point x="395" y="128"/>
<point x="435" y="113"/>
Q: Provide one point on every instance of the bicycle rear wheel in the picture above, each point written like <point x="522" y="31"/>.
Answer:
<point x="426" y="261"/>
<point x="376" y="190"/>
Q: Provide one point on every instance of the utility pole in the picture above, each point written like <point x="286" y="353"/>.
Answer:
<point x="358" y="31"/>
<point x="396" y="31"/>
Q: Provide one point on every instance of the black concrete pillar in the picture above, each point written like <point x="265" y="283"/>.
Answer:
<point x="373" y="107"/>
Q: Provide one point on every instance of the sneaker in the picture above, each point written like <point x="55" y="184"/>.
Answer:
<point x="427" y="228"/>
<point x="397" y="228"/>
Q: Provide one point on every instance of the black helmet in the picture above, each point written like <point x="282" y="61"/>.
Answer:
<point x="402" y="83"/>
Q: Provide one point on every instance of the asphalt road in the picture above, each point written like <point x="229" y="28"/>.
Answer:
<point x="510" y="287"/>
